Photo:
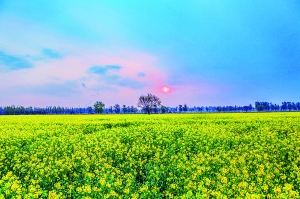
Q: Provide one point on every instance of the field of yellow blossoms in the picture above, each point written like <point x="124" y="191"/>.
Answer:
<point x="249" y="155"/>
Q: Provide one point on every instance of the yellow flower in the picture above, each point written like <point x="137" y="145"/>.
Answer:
<point x="173" y="186"/>
<point x="126" y="190"/>
<point x="37" y="194"/>
<point x="243" y="185"/>
<point x="79" y="189"/>
<point x="31" y="189"/>
<point x="277" y="190"/>
<point x="283" y="177"/>
<point x="102" y="181"/>
<point x="288" y="187"/>
<point x="265" y="187"/>
<point x="95" y="189"/>
<point x="118" y="182"/>
<point x="113" y="193"/>
<point x="53" y="195"/>
<point x="135" y="196"/>
<point x="14" y="186"/>
<point x="7" y="191"/>
<point x="57" y="185"/>
<point x="144" y="188"/>
<point x="87" y="189"/>
<point x="224" y="180"/>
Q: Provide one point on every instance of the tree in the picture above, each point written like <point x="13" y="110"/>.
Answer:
<point x="250" y="107"/>
<point x="207" y="109"/>
<point x="10" y="110"/>
<point x="110" y="109"/>
<point x="272" y="107"/>
<point x="294" y="106"/>
<point x="124" y="109"/>
<point x="128" y="109"/>
<point x="99" y="106"/>
<point x="117" y="108"/>
<point x="90" y="110"/>
<point x="134" y="109"/>
<point x="298" y="106"/>
<point x="163" y="109"/>
<point x="148" y="102"/>
<point x="155" y="108"/>
<point x="180" y="108"/>
<point x="260" y="108"/>
<point x="246" y="108"/>
<point x="289" y="106"/>
<point x="283" y="106"/>
<point x="185" y="108"/>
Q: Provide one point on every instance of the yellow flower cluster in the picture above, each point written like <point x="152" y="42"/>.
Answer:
<point x="158" y="156"/>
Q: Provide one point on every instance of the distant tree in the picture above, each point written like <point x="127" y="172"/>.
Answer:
<point x="99" y="107"/>
<point x="250" y="107"/>
<point x="53" y="110"/>
<point x="207" y="109"/>
<point x="180" y="108"/>
<point x="298" y="106"/>
<point x="128" y="109"/>
<point x="185" y="108"/>
<point x="199" y="108"/>
<point x="284" y="106"/>
<point x="90" y="110"/>
<point x="235" y="108"/>
<point x="10" y="110"/>
<point x="246" y="108"/>
<point x="277" y="107"/>
<point x="289" y="106"/>
<point x="256" y="104"/>
<point x="19" y="110"/>
<point x="133" y="109"/>
<point x="124" y="109"/>
<point x="266" y="105"/>
<point x="155" y="108"/>
<point x="219" y="108"/>
<point x="163" y="109"/>
<point x="148" y="102"/>
<point x="117" y="108"/>
<point x="260" y="108"/>
<point x="224" y="108"/>
<point x="29" y="110"/>
<point x="110" y="109"/>
<point x="272" y="106"/>
<point x="294" y="106"/>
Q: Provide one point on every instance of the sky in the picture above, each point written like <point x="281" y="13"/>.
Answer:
<point x="206" y="52"/>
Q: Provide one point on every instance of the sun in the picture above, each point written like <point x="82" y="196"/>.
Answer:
<point x="165" y="89"/>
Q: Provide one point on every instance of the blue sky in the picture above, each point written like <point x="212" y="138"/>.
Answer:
<point x="72" y="53"/>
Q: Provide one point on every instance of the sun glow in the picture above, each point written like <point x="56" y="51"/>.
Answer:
<point x="165" y="89"/>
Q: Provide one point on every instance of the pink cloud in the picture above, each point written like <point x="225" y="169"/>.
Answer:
<point x="74" y="67"/>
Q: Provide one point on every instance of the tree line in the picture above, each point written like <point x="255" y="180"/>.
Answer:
<point x="147" y="104"/>
<point x="285" y="106"/>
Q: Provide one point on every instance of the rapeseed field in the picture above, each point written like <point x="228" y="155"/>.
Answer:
<point x="253" y="155"/>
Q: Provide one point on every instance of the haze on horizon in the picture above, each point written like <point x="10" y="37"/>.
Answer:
<point x="219" y="52"/>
